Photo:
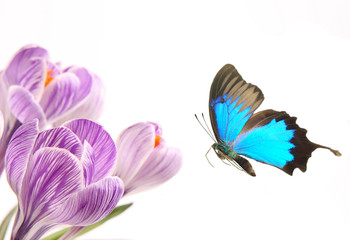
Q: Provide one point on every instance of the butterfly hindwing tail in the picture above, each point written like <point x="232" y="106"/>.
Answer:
<point x="275" y="138"/>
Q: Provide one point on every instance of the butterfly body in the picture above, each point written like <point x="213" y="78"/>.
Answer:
<point x="225" y="152"/>
<point x="225" y="149"/>
<point x="268" y="136"/>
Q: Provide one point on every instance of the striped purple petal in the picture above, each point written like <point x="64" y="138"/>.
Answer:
<point x="163" y="163"/>
<point x="104" y="149"/>
<point x="88" y="161"/>
<point x="85" y="80"/>
<point x="53" y="70"/>
<point x="24" y="107"/>
<point x="134" y="145"/>
<point x="52" y="174"/>
<point x="60" y="137"/>
<point x="10" y="126"/>
<point x="18" y="152"/>
<point x="22" y="61"/>
<point x="59" y="96"/>
<point x="91" y="204"/>
<point x="34" y="78"/>
<point x="51" y="177"/>
<point x="89" y="106"/>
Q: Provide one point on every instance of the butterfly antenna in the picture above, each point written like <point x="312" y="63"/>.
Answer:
<point x="211" y="134"/>
<point x="208" y="132"/>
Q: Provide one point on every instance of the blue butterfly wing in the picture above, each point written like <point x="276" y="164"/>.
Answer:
<point x="232" y="102"/>
<point x="274" y="138"/>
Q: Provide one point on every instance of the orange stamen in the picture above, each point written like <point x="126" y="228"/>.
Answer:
<point x="156" y="142"/>
<point x="48" y="77"/>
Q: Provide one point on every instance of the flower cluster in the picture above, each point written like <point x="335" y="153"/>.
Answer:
<point x="72" y="174"/>
<point x="33" y="87"/>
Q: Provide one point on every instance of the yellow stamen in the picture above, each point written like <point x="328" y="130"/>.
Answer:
<point x="156" y="142"/>
<point x="48" y="77"/>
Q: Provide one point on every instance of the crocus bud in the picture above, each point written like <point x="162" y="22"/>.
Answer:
<point x="144" y="160"/>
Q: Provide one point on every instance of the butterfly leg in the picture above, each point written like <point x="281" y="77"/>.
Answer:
<point x="229" y="163"/>
<point x="206" y="155"/>
<point x="233" y="163"/>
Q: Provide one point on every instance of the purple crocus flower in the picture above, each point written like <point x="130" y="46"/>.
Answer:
<point x="61" y="176"/>
<point x="33" y="87"/>
<point x="144" y="160"/>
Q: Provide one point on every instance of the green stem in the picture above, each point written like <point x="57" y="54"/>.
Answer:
<point x="5" y="223"/>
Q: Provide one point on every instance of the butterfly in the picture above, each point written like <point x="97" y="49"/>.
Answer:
<point x="268" y="136"/>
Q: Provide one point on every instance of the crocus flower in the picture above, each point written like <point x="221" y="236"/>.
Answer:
<point x="144" y="160"/>
<point x="61" y="176"/>
<point x="33" y="87"/>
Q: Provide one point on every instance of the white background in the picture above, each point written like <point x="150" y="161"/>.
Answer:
<point x="158" y="59"/>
